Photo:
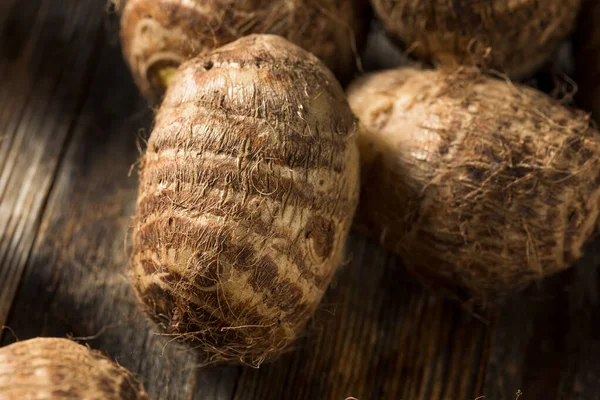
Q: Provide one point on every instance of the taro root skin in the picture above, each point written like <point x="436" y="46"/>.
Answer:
<point x="512" y="36"/>
<point x="480" y="185"/>
<point x="247" y="193"/>
<point x="157" y="35"/>
<point x="52" y="368"/>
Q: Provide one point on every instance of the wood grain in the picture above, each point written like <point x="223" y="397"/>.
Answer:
<point x="47" y="55"/>
<point x="72" y="126"/>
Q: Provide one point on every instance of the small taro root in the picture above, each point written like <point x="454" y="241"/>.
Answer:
<point x="157" y="35"/>
<point x="52" y="368"/>
<point x="247" y="193"/>
<point x="512" y="36"/>
<point x="481" y="185"/>
<point x="587" y="57"/>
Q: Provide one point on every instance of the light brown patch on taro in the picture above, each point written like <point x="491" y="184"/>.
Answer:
<point x="513" y="196"/>
<point x="64" y="369"/>
<point x="247" y="192"/>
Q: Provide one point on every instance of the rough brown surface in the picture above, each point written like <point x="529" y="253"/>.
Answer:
<point x="49" y="368"/>
<point x="512" y="36"/>
<point x="482" y="186"/>
<point x="160" y="34"/>
<point x="587" y="57"/>
<point x="247" y="192"/>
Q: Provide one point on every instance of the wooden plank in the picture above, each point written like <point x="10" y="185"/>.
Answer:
<point x="580" y="372"/>
<point x="545" y="341"/>
<point x="45" y="79"/>
<point x="526" y="343"/>
<point x="12" y="27"/>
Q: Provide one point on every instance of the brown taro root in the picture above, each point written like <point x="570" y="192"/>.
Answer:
<point x="481" y="185"/>
<point x="52" y="368"/>
<point x="587" y="57"/>
<point x="157" y="35"/>
<point x="247" y="193"/>
<point x="512" y="36"/>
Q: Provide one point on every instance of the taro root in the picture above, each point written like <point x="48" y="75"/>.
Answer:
<point x="587" y="57"/>
<point x="52" y="368"/>
<point x="512" y="36"/>
<point x="480" y="185"/>
<point x="247" y="193"/>
<point x="157" y="35"/>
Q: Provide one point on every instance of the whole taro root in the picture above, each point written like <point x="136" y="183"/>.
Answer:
<point x="512" y="36"/>
<point x="51" y="368"/>
<point x="247" y="193"/>
<point x="482" y="186"/>
<point x="157" y="35"/>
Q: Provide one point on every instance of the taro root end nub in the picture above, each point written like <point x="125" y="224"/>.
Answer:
<point x="153" y="31"/>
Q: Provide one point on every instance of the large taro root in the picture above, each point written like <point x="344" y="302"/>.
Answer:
<point x="52" y="368"/>
<point x="157" y="35"/>
<point x="247" y="193"/>
<point x="481" y="185"/>
<point x="512" y="36"/>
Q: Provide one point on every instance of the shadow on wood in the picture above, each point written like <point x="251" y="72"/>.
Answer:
<point x="45" y="82"/>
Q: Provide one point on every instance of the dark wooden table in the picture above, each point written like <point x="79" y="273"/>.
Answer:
<point x="72" y="127"/>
